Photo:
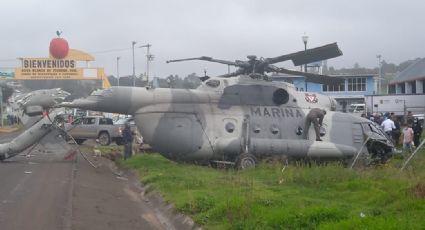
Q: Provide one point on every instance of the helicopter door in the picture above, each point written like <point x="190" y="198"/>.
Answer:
<point x="175" y="135"/>
<point x="245" y="134"/>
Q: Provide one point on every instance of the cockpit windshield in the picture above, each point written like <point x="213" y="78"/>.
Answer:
<point x="376" y="129"/>
<point x="213" y="83"/>
<point x="102" y="92"/>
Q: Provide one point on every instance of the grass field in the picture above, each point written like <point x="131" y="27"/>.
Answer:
<point x="273" y="196"/>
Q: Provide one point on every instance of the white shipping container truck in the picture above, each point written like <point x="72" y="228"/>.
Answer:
<point x="399" y="103"/>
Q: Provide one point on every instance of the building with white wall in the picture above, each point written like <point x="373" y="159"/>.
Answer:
<point x="410" y="81"/>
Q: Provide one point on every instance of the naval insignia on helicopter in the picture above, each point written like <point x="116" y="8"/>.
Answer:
<point x="311" y="98"/>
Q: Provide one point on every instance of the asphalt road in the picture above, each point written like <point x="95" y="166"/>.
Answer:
<point x="46" y="192"/>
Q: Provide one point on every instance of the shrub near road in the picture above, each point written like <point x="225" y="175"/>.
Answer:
<point x="294" y="197"/>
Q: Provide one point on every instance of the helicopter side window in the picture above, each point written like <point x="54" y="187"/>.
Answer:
<point x="280" y="96"/>
<point x="230" y="127"/>
<point x="213" y="83"/>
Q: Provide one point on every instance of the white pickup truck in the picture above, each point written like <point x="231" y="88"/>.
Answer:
<point x="100" y="128"/>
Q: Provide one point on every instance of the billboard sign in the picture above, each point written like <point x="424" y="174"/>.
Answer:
<point x="54" y="69"/>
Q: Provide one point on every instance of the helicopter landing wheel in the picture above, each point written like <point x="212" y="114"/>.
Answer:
<point x="245" y="161"/>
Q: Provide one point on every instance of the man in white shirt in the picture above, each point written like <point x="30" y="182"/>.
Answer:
<point x="388" y="126"/>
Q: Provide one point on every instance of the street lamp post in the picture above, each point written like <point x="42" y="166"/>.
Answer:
<point x="134" y="66"/>
<point x="379" y="73"/>
<point x="118" y="70"/>
<point x="305" y="40"/>
<point x="1" y="107"/>
<point x="149" y="58"/>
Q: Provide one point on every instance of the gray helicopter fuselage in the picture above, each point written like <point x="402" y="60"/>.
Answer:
<point x="219" y="120"/>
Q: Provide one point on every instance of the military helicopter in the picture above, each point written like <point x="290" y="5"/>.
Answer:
<point x="240" y="117"/>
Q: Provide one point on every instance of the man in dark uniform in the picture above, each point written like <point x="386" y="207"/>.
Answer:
<point x="397" y="131"/>
<point x="417" y="131"/>
<point x="315" y="116"/>
<point x="127" y="136"/>
<point x="409" y="118"/>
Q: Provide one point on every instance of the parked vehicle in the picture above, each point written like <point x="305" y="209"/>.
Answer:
<point x="357" y="108"/>
<point x="398" y="104"/>
<point x="100" y="128"/>
<point x="420" y="118"/>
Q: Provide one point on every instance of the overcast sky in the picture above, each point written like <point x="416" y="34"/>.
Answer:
<point x="222" y="29"/>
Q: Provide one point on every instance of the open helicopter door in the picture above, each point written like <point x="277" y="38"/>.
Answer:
<point x="246" y="134"/>
<point x="246" y="159"/>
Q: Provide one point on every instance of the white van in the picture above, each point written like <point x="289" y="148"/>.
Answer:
<point x="357" y="108"/>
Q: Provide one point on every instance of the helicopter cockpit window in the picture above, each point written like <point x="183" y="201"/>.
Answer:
<point x="280" y="97"/>
<point x="213" y="83"/>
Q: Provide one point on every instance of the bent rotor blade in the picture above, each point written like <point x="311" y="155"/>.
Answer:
<point x="210" y="59"/>
<point x="308" y="56"/>
<point x="310" y="77"/>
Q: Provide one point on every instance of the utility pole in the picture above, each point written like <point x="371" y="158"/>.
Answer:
<point x="149" y="58"/>
<point x="379" y="73"/>
<point x="134" y="66"/>
<point x="305" y="40"/>
<point x="118" y="70"/>
<point x="1" y="107"/>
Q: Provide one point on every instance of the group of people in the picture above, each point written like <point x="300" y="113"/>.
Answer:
<point x="391" y="125"/>
<point x="12" y="119"/>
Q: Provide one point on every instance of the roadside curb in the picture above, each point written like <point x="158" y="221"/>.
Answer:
<point x="8" y="130"/>
<point x="164" y="211"/>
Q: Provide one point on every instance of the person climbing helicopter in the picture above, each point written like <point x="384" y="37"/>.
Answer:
<point x="315" y="116"/>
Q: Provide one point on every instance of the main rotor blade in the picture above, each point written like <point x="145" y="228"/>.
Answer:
<point x="310" y="77"/>
<point x="184" y="59"/>
<point x="308" y="56"/>
<point x="210" y="59"/>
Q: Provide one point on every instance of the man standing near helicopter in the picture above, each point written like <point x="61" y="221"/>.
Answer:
<point x="315" y="116"/>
